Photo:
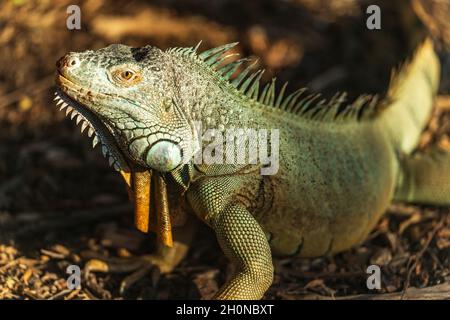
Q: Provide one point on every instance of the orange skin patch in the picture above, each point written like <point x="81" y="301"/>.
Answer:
<point x="141" y="188"/>
<point x="164" y="226"/>
<point x="140" y="192"/>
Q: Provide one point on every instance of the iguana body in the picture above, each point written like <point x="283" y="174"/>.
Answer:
<point x="339" y="166"/>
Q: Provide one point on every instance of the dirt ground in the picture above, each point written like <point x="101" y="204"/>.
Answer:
<point x="60" y="203"/>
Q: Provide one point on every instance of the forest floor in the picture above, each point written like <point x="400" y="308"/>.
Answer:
<point x="60" y="204"/>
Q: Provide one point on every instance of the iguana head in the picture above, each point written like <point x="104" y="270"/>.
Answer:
<point x="127" y="96"/>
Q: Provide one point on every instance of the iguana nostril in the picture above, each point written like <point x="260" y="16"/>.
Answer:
<point x="73" y="62"/>
<point x="67" y="62"/>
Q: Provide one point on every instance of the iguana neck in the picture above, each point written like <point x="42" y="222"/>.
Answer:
<point x="212" y="102"/>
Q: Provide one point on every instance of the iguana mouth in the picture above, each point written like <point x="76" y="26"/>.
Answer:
<point x="139" y="180"/>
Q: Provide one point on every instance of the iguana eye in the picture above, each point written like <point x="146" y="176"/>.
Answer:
<point x="127" y="74"/>
<point x="126" y="77"/>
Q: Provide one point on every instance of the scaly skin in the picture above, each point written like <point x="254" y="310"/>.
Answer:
<point x="339" y="168"/>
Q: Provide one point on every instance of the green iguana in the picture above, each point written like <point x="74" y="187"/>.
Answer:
<point x="339" y="165"/>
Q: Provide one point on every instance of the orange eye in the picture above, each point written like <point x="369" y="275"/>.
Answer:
<point x="127" y="74"/>
<point x="125" y="77"/>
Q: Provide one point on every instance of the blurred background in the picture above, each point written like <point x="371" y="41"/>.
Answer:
<point x="61" y="204"/>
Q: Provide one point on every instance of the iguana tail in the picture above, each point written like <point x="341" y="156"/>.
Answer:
<point x="422" y="177"/>
<point x="410" y="98"/>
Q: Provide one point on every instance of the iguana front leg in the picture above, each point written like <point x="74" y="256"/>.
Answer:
<point x="245" y="244"/>
<point x="240" y="236"/>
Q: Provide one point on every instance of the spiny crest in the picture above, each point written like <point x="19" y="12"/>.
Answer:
<point x="247" y="82"/>
<point x="399" y="73"/>
<point x="186" y="51"/>
<point x="94" y="130"/>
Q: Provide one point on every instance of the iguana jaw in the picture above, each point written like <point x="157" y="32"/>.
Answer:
<point x="138" y="180"/>
<point x="97" y="129"/>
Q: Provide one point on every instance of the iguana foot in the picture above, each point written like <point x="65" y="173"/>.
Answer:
<point x="164" y="260"/>
<point x="137" y="267"/>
